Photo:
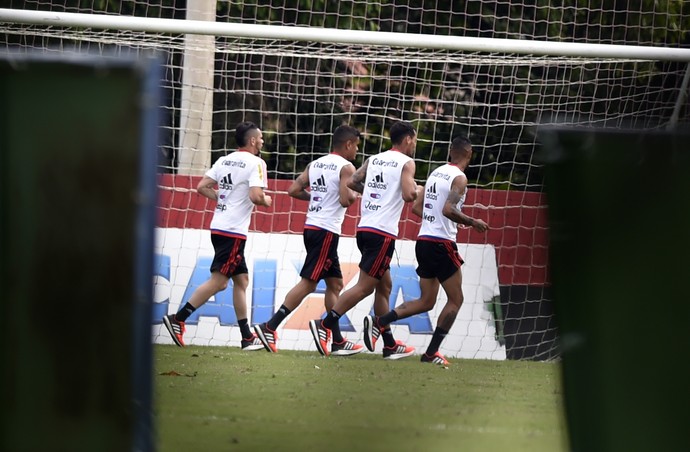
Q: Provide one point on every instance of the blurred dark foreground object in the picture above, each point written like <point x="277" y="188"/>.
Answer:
<point x="78" y="138"/>
<point x="619" y="225"/>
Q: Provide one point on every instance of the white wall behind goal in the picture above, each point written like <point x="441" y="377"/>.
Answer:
<point x="274" y="262"/>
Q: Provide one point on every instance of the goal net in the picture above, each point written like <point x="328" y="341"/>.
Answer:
<point x="299" y="90"/>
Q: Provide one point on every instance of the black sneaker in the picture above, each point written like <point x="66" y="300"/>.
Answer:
<point x="251" y="344"/>
<point x="175" y="328"/>
<point x="267" y="336"/>
<point x="371" y="332"/>
<point x="436" y="358"/>
<point x="322" y="336"/>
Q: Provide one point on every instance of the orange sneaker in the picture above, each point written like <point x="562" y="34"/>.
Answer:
<point x="267" y="336"/>
<point x="345" y="348"/>
<point x="175" y="328"/>
<point x="399" y="350"/>
<point x="436" y="358"/>
<point x="322" y="336"/>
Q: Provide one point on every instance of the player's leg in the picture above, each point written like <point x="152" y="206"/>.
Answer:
<point x="319" y="244"/>
<point x="216" y="283"/>
<point x="429" y="289"/>
<point x="452" y="285"/>
<point x="375" y="326"/>
<point x="376" y="251"/>
<point x="292" y="300"/>
<point x="266" y="332"/>
<point x="381" y="307"/>
<point x="328" y="329"/>
<point x="378" y="324"/>
<point x="333" y="288"/>
<point x="176" y="323"/>
<point x="364" y="287"/>
<point x="342" y="347"/>
<point x="225" y="251"/>
<point x="250" y="341"/>
<point x="374" y="273"/>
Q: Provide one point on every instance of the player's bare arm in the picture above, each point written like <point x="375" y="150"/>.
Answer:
<point x="259" y="198"/>
<point x="450" y="207"/>
<point x="347" y="196"/>
<point x="356" y="182"/>
<point x="298" y="187"/>
<point x="407" y="182"/>
<point x="205" y="188"/>
<point x="418" y="205"/>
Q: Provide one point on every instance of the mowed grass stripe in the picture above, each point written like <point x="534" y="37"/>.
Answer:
<point x="221" y="398"/>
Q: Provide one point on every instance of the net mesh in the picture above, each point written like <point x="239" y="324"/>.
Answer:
<point x="299" y="92"/>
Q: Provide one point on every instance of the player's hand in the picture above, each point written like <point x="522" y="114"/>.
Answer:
<point x="420" y="191"/>
<point x="268" y="200"/>
<point x="480" y="225"/>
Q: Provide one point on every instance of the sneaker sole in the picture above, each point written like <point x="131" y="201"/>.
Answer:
<point x="260" y="334"/>
<point x="346" y="352"/>
<point x="368" y="333"/>
<point x="253" y="347"/>
<point x="438" y="364"/>
<point x="169" y="327"/>
<point x="399" y="355"/>
<point x="315" y="333"/>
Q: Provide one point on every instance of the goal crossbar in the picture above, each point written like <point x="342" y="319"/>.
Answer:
<point x="341" y="36"/>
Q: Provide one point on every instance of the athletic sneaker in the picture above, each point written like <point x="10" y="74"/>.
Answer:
<point x="267" y="337"/>
<point x="251" y="344"/>
<point x="345" y="348"/>
<point x="436" y="358"/>
<point x="372" y="331"/>
<point x="321" y="334"/>
<point x="399" y="350"/>
<point x="175" y="328"/>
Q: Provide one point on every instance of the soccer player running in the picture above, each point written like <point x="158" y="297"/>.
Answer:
<point x="386" y="182"/>
<point x="241" y="179"/>
<point x="437" y="253"/>
<point x="329" y="197"/>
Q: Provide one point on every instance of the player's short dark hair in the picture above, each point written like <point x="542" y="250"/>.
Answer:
<point x="344" y="133"/>
<point x="460" y="142"/>
<point x="241" y="132"/>
<point x="400" y="130"/>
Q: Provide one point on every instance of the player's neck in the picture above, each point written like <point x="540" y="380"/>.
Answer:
<point x="460" y="164"/>
<point x="395" y="149"/>
<point x="251" y="151"/>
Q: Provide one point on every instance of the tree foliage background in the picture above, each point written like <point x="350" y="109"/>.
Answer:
<point x="302" y="129"/>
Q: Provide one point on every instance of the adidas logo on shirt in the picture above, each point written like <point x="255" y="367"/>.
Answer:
<point x="225" y="183"/>
<point x="378" y="183"/>
<point x="431" y="192"/>
<point x="319" y="185"/>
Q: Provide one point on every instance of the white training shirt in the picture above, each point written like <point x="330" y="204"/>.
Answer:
<point x="235" y="173"/>
<point x="435" y="225"/>
<point x="382" y="201"/>
<point x="324" y="210"/>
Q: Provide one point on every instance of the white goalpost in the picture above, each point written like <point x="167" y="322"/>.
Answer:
<point x="300" y="82"/>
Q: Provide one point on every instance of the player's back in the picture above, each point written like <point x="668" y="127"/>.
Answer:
<point x="325" y="210"/>
<point x="436" y="190"/>
<point x="382" y="201"/>
<point x="235" y="174"/>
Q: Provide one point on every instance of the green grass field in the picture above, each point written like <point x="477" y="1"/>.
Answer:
<point x="221" y="398"/>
